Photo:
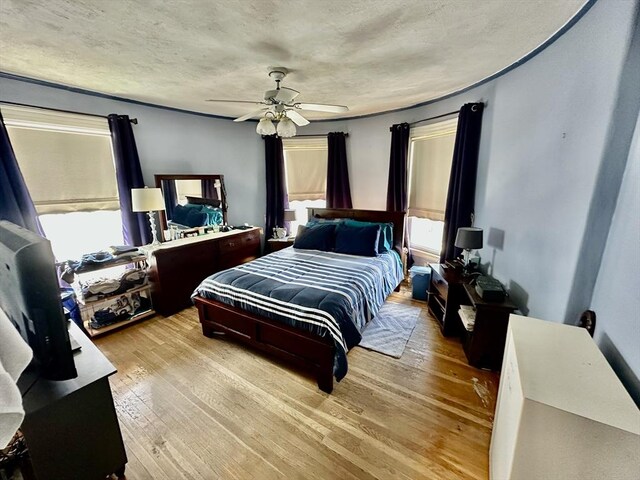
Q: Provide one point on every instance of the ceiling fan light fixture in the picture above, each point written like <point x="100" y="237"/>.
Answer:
<point x="286" y="128"/>
<point x="265" y="127"/>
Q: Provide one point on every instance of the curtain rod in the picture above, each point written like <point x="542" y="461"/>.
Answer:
<point x="132" y="120"/>
<point x="318" y="135"/>
<point x="434" y="118"/>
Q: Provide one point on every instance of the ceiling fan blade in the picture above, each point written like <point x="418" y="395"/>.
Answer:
<point x="250" y="115"/>
<point x="320" y="107"/>
<point x="286" y="95"/>
<point x="234" y="101"/>
<point x="297" y="118"/>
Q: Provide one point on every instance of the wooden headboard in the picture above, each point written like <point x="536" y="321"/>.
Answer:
<point x="397" y="218"/>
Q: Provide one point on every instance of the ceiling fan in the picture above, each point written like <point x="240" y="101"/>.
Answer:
<point x="278" y="105"/>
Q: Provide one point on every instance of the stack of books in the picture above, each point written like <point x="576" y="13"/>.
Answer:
<point x="468" y="316"/>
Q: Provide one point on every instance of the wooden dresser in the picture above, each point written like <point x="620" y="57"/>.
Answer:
<point x="178" y="267"/>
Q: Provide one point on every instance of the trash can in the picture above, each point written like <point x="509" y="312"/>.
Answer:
<point x="420" y="279"/>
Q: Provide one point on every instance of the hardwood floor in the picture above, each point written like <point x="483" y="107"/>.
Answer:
<point x="191" y="407"/>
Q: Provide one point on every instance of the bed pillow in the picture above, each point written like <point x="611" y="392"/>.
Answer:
<point x="180" y="215"/>
<point x="196" y="219"/>
<point x="385" y="242"/>
<point x="360" y="240"/>
<point x="317" y="237"/>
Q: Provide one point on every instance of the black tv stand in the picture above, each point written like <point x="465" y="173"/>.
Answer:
<point x="70" y="427"/>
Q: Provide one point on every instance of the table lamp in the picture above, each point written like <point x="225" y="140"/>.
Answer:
<point x="290" y="215"/>
<point x="468" y="238"/>
<point x="148" y="200"/>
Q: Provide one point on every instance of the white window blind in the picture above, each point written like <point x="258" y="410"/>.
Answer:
<point x="66" y="159"/>
<point x="306" y="167"/>
<point x="431" y="155"/>
<point x="188" y="188"/>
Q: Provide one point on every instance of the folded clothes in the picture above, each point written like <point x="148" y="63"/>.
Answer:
<point x="97" y="288"/>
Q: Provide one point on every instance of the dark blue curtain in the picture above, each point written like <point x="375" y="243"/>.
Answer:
<point x="338" y="188"/>
<point x="16" y="205"/>
<point x="170" y="197"/>
<point x="276" y="188"/>
<point x="135" y="226"/>
<point x="398" y="168"/>
<point x="462" y="181"/>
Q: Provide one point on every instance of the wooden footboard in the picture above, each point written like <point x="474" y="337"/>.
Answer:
<point x="302" y="348"/>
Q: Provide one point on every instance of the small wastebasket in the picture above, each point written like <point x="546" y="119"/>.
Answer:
<point x="420" y="278"/>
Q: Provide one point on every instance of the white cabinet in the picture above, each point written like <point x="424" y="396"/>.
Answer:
<point x="562" y="413"/>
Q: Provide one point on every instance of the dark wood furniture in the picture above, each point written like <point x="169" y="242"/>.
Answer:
<point x="275" y="244"/>
<point x="443" y="298"/>
<point x="214" y="179"/>
<point x="484" y="346"/>
<point x="70" y="427"/>
<point x="302" y="348"/>
<point x="178" y="267"/>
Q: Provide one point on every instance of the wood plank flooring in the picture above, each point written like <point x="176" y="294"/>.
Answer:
<point x="191" y="407"/>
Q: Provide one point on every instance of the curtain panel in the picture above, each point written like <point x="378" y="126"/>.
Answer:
<point x="462" y="181"/>
<point x="16" y="204"/>
<point x="338" y="187"/>
<point x="275" y="179"/>
<point x="135" y="225"/>
<point x="398" y="163"/>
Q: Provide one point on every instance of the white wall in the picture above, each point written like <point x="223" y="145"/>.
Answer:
<point x="174" y="142"/>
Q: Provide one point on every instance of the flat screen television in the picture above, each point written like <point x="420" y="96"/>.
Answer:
<point x="30" y="296"/>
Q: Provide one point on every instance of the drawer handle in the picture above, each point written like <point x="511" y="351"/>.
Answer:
<point x="231" y="244"/>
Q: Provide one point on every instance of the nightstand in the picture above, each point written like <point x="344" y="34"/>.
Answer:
<point x="275" y="244"/>
<point x="443" y="299"/>
<point x="484" y="345"/>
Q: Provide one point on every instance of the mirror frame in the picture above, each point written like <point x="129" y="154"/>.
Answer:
<point x="192" y="176"/>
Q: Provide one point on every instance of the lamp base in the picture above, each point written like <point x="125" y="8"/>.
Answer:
<point x="154" y="233"/>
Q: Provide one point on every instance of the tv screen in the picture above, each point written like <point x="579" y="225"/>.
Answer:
<point x="30" y="296"/>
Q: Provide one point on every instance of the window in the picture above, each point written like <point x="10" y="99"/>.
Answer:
<point x="430" y="153"/>
<point x="67" y="163"/>
<point x="305" y="161"/>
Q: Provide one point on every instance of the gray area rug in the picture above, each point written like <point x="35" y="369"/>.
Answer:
<point x="390" y="330"/>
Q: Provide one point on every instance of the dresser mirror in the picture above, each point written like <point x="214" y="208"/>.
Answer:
<point x="180" y="190"/>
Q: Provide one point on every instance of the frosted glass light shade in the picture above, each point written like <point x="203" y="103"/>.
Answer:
<point x="286" y="128"/>
<point x="146" y="200"/>
<point x="265" y="127"/>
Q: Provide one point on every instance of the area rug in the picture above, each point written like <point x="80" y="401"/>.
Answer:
<point x="390" y="330"/>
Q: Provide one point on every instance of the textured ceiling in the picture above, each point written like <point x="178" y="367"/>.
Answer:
<point x="371" y="55"/>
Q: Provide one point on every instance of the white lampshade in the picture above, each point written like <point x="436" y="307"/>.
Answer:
<point x="290" y="216"/>
<point x="146" y="200"/>
<point x="286" y="128"/>
<point x="265" y="127"/>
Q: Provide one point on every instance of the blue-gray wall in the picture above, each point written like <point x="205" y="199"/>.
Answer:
<point x="173" y="142"/>
<point x="551" y="129"/>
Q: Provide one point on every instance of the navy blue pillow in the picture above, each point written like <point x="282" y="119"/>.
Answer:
<point x="180" y="214"/>
<point x="317" y="237"/>
<point x="357" y="240"/>
<point x="196" y="219"/>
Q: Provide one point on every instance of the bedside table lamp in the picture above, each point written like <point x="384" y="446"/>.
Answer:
<point x="148" y="200"/>
<point x="290" y="215"/>
<point x="468" y="238"/>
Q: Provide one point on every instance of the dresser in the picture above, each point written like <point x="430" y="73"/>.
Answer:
<point x="176" y="268"/>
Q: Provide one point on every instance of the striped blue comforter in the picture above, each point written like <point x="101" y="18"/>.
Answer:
<point x="326" y="293"/>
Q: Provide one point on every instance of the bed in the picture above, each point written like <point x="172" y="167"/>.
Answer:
<point x="304" y="306"/>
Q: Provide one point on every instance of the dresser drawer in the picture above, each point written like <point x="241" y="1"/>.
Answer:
<point x="239" y="242"/>
<point x="239" y="248"/>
